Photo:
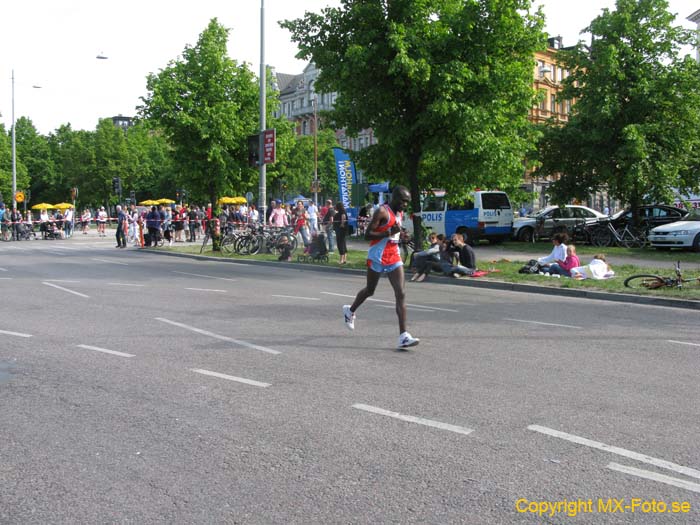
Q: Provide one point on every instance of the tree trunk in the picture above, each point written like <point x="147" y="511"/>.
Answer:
<point x="415" y="190"/>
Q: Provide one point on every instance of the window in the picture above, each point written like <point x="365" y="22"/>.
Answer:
<point x="553" y="103"/>
<point x="495" y="201"/>
<point x="433" y="203"/>
<point x="304" y="127"/>
<point x="543" y="99"/>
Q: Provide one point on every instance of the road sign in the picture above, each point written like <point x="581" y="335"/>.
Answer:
<point x="19" y="196"/>
<point x="269" y="149"/>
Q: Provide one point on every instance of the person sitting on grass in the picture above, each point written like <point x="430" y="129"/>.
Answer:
<point x="424" y="259"/>
<point x="558" y="252"/>
<point x="598" y="268"/>
<point x="564" y="267"/>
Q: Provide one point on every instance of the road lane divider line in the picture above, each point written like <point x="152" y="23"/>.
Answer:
<point x="662" y="463"/>
<point x="207" y="276"/>
<point x="66" y="289"/>
<point x="654" y="476"/>
<point x="217" y="336"/>
<point x="392" y="302"/>
<point x="231" y="378"/>
<point x="104" y="350"/>
<point x="126" y="284"/>
<point x="206" y="290"/>
<point x="541" y="323"/>
<point x="414" y="419"/>
<point x="683" y="343"/>
<point x="297" y="297"/>
<point x="417" y="309"/>
<point x="3" y="269"/>
<point x="5" y="278"/>
<point x="59" y="281"/>
<point x="16" y="334"/>
<point x="108" y="261"/>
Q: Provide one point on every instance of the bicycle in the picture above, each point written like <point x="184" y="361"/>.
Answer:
<point x="652" y="282"/>
<point x="605" y="235"/>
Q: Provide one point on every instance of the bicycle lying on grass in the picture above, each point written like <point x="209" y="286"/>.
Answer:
<point x="652" y="282"/>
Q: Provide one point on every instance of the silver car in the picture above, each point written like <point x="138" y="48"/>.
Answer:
<point x="553" y="219"/>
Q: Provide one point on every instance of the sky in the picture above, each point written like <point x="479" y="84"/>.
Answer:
<point x="52" y="47"/>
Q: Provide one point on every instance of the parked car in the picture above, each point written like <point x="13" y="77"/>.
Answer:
<point x="553" y="219"/>
<point x="680" y="234"/>
<point x="651" y="215"/>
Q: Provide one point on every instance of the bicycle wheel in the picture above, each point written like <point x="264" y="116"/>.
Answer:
<point x="6" y="235"/>
<point x="601" y="237"/>
<point x="227" y="243"/>
<point x="650" y="282"/>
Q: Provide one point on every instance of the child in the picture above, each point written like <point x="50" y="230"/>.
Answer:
<point x="285" y="250"/>
<point x="598" y="268"/>
<point x="564" y="267"/>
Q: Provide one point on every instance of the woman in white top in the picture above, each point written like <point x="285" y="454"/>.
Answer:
<point x="102" y="222"/>
<point x="85" y="219"/>
<point x="558" y="251"/>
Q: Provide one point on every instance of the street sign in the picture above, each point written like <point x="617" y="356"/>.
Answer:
<point x="19" y="196"/>
<point x="269" y="149"/>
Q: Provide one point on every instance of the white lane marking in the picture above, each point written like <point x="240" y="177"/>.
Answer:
<point x="61" y="254"/>
<point x="662" y="463"/>
<point x="59" y="281"/>
<point x="108" y="262"/>
<point x="541" y="323"/>
<point x="66" y="290"/>
<point x="231" y="378"/>
<point x="421" y="309"/>
<point x="653" y="476"/>
<point x="3" y="269"/>
<point x="206" y="290"/>
<point x="5" y="278"/>
<point x="217" y="336"/>
<point x="407" y="304"/>
<point x="104" y="350"/>
<point x="414" y="419"/>
<point x="207" y="276"/>
<point x="297" y="297"/>
<point x="683" y="343"/>
<point x="17" y="334"/>
<point x="125" y="284"/>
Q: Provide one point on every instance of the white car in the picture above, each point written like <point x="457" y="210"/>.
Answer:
<point x="553" y="219"/>
<point x="680" y="234"/>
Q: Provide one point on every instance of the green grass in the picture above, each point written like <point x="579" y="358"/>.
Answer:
<point x="508" y="270"/>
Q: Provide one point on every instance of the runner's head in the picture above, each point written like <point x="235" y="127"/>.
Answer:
<point x="400" y="198"/>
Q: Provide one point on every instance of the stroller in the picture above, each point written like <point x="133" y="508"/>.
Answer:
<point x="316" y="251"/>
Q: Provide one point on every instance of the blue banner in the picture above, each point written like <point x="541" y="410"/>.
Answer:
<point x="345" y="168"/>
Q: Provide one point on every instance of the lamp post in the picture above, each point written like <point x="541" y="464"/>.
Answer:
<point x="262" y="188"/>
<point x="316" y="151"/>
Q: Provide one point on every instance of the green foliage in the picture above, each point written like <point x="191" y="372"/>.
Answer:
<point x="446" y="86"/>
<point x="635" y="127"/>
<point x="206" y="105"/>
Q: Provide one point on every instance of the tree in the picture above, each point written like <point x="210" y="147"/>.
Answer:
<point x="73" y="154"/>
<point x="34" y="155"/>
<point x="446" y="86"/>
<point x="206" y="105"/>
<point x="635" y="127"/>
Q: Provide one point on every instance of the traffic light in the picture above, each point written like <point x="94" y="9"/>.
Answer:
<point x="117" y="184"/>
<point x="183" y="194"/>
<point x="132" y="196"/>
<point x="177" y="195"/>
<point x="73" y="193"/>
<point x="253" y="151"/>
<point x="127" y="201"/>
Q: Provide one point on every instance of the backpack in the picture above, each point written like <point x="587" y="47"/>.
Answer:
<point x="532" y="266"/>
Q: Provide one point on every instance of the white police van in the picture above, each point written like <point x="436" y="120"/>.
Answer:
<point x="487" y="215"/>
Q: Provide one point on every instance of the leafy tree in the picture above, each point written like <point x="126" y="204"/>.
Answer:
<point x="150" y="163"/>
<point x="635" y="127"/>
<point x="34" y="155"/>
<point x="73" y="153"/>
<point x="446" y="86"/>
<point x="206" y="105"/>
<point x="111" y="158"/>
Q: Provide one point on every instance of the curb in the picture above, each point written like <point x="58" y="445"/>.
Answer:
<point x="493" y="285"/>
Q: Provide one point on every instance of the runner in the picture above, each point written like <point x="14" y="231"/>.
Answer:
<point x="384" y="257"/>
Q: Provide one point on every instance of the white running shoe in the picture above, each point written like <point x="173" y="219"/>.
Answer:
<point x="349" y="317"/>
<point x="406" y="340"/>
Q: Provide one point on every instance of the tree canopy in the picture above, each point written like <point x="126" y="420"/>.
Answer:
<point x="206" y="105"/>
<point x="446" y="86"/>
<point x="635" y="127"/>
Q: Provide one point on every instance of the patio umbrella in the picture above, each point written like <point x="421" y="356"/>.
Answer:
<point x="43" y="206"/>
<point x="148" y="202"/>
<point x="62" y="205"/>
<point x="232" y="200"/>
<point x="165" y="201"/>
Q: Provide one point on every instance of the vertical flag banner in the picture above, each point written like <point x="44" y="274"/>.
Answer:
<point x="345" y="168"/>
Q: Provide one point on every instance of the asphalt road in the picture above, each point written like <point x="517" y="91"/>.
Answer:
<point x="141" y="388"/>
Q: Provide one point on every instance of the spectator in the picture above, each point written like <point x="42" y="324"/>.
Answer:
<point x="193" y="216"/>
<point x="101" y="222"/>
<point x="153" y="225"/>
<point x="278" y="218"/>
<point x="564" y="267"/>
<point x="253" y="214"/>
<point x="466" y="258"/>
<point x="312" y="210"/>
<point x="301" y="219"/>
<point x="598" y="268"/>
<point x="340" y="228"/>
<point x="424" y="259"/>
<point x="68" y="222"/>
<point x="327" y="223"/>
<point x="558" y="251"/>
<point x="121" y="227"/>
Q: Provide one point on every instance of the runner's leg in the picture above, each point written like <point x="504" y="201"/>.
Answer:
<point x="396" y="278"/>
<point x="368" y="290"/>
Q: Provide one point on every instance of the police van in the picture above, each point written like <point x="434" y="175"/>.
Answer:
<point x="487" y="215"/>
